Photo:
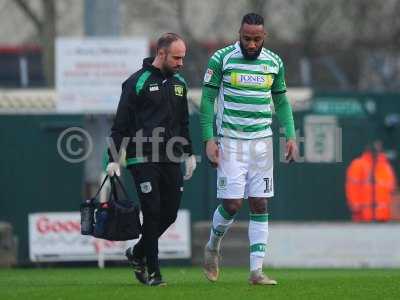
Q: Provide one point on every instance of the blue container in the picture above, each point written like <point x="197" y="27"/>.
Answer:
<point x="100" y="222"/>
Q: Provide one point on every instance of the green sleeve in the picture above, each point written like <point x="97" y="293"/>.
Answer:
<point x="279" y="84"/>
<point x="284" y="112"/>
<point x="207" y="111"/>
<point x="213" y="75"/>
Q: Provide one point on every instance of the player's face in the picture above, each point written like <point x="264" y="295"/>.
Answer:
<point x="251" y="40"/>
<point x="173" y="57"/>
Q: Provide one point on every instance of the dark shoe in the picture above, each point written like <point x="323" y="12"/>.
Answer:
<point x="138" y="265"/>
<point x="155" y="279"/>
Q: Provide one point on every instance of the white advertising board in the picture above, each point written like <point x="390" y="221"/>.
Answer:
<point x="57" y="237"/>
<point x="323" y="141"/>
<point x="334" y="245"/>
<point x="90" y="71"/>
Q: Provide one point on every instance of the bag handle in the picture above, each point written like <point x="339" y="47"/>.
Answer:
<point x="113" y="189"/>
<point x="100" y="188"/>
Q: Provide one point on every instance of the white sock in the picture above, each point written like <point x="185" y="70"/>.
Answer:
<point x="220" y="224"/>
<point x="258" y="236"/>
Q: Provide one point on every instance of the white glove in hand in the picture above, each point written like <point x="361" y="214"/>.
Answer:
<point x="190" y="166"/>
<point x="122" y="159"/>
<point x="113" y="168"/>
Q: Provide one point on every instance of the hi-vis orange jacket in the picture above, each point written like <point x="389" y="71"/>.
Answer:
<point x="370" y="184"/>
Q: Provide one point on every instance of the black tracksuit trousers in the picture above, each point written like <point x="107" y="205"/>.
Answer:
<point x="159" y="187"/>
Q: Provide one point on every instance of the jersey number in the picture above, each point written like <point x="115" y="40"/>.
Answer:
<point x="268" y="185"/>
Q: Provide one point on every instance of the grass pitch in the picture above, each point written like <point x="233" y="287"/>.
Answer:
<point x="189" y="283"/>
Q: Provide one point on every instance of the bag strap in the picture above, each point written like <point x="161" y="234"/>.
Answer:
<point x="100" y="188"/>
<point x="113" y="189"/>
<point x="121" y="185"/>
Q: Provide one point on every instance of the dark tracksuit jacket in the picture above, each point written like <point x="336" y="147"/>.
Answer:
<point x="150" y="100"/>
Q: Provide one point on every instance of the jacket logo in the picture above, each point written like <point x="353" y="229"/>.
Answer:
<point x="145" y="187"/>
<point x="178" y="90"/>
<point x="154" y="87"/>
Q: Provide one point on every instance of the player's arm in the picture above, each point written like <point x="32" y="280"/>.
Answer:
<point x="187" y="148"/>
<point x="210" y="90"/>
<point x="285" y="115"/>
<point x="284" y="112"/>
<point x="121" y="126"/>
<point x="190" y="159"/>
<point x="208" y="96"/>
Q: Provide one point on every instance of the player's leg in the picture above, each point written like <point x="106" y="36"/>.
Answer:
<point x="223" y="218"/>
<point x="260" y="188"/>
<point x="170" y="195"/>
<point x="171" y="187"/>
<point x="258" y="237"/>
<point x="231" y="182"/>
<point x="147" y="177"/>
<point x="171" y="190"/>
<point x="231" y="176"/>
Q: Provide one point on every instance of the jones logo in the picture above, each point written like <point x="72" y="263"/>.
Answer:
<point x="255" y="80"/>
<point x="251" y="79"/>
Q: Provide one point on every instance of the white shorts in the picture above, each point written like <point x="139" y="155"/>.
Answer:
<point x="245" y="168"/>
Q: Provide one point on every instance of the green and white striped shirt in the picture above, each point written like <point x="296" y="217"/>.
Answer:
<point x="245" y="87"/>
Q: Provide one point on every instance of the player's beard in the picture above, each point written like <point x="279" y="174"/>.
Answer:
<point x="168" y="70"/>
<point x="249" y="56"/>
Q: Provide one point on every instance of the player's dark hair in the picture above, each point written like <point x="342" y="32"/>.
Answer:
<point x="166" y="40"/>
<point x="253" y="19"/>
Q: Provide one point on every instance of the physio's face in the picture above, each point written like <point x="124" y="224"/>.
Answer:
<point x="251" y="40"/>
<point x="173" y="57"/>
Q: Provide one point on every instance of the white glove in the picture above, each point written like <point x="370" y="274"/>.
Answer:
<point x="122" y="160"/>
<point x="113" y="168"/>
<point x="190" y="166"/>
